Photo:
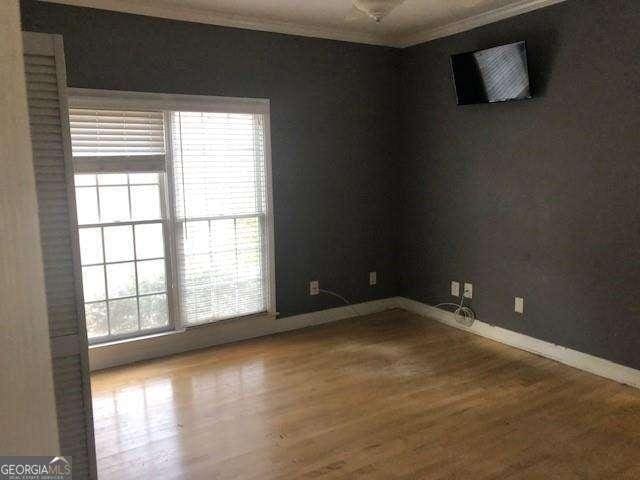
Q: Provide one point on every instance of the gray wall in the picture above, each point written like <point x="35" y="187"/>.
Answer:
<point x="332" y="139"/>
<point x="537" y="198"/>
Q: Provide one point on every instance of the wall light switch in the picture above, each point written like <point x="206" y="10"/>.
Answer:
<point x="468" y="290"/>
<point x="455" y="289"/>
<point x="373" y="278"/>
<point x="314" y="287"/>
<point x="519" y="305"/>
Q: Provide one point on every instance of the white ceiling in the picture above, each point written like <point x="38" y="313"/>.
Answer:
<point x="413" y="21"/>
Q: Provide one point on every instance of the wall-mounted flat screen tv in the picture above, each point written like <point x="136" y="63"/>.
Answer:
<point x="498" y="74"/>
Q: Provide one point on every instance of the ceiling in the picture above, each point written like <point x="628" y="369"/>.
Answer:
<point x="412" y="22"/>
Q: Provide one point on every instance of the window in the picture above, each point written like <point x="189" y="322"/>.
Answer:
<point x="219" y="213"/>
<point x="174" y="213"/>
<point x="122" y="253"/>
<point x="122" y="221"/>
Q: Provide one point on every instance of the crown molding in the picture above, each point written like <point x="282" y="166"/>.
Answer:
<point x="154" y="8"/>
<point x="469" y="23"/>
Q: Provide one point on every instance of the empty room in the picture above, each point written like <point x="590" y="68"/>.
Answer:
<point x="320" y="239"/>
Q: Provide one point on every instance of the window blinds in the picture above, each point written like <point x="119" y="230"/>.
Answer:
<point x="219" y="186"/>
<point x="116" y="132"/>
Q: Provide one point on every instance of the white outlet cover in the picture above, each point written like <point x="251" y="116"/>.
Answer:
<point x="373" y="278"/>
<point x="468" y="290"/>
<point x="314" y="287"/>
<point x="519" y="305"/>
<point x="455" y="289"/>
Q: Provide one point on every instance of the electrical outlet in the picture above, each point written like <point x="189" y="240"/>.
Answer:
<point x="519" y="305"/>
<point x="455" y="289"/>
<point x="314" y="287"/>
<point x="468" y="290"/>
<point x="373" y="278"/>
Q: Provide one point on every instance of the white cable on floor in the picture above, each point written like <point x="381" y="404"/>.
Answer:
<point x="465" y="315"/>
<point x="337" y="295"/>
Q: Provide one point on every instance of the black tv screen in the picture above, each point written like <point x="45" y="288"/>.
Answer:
<point x="497" y="74"/>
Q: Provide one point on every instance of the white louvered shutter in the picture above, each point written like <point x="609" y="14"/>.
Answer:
<point x="44" y="68"/>
<point x="220" y="207"/>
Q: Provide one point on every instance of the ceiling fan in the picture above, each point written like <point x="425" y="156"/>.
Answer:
<point x="375" y="10"/>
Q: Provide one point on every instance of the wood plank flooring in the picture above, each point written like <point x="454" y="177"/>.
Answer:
<point x="387" y="396"/>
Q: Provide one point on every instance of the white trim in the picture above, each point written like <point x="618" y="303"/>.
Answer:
<point x="270" y="244"/>
<point x="175" y="303"/>
<point x="210" y="17"/>
<point x="153" y="8"/>
<point x="573" y="358"/>
<point x="469" y="23"/>
<point x="120" y="99"/>
<point x="207" y="335"/>
<point x="112" y="163"/>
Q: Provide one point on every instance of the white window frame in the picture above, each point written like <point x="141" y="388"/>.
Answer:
<point x="123" y="100"/>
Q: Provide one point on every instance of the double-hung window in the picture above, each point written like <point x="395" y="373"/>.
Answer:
<point x="174" y="210"/>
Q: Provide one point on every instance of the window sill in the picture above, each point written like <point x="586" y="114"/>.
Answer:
<point x="261" y="315"/>
<point x="130" y="350"/>
<point x="141" y="338"/>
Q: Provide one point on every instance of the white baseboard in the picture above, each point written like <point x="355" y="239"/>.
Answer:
<point x="121" y="353"/>
<point x="155" y="346"/>
<point x="573" y="358"/>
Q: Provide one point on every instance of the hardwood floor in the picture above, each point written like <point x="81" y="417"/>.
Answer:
<point x="388" y="396"/>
